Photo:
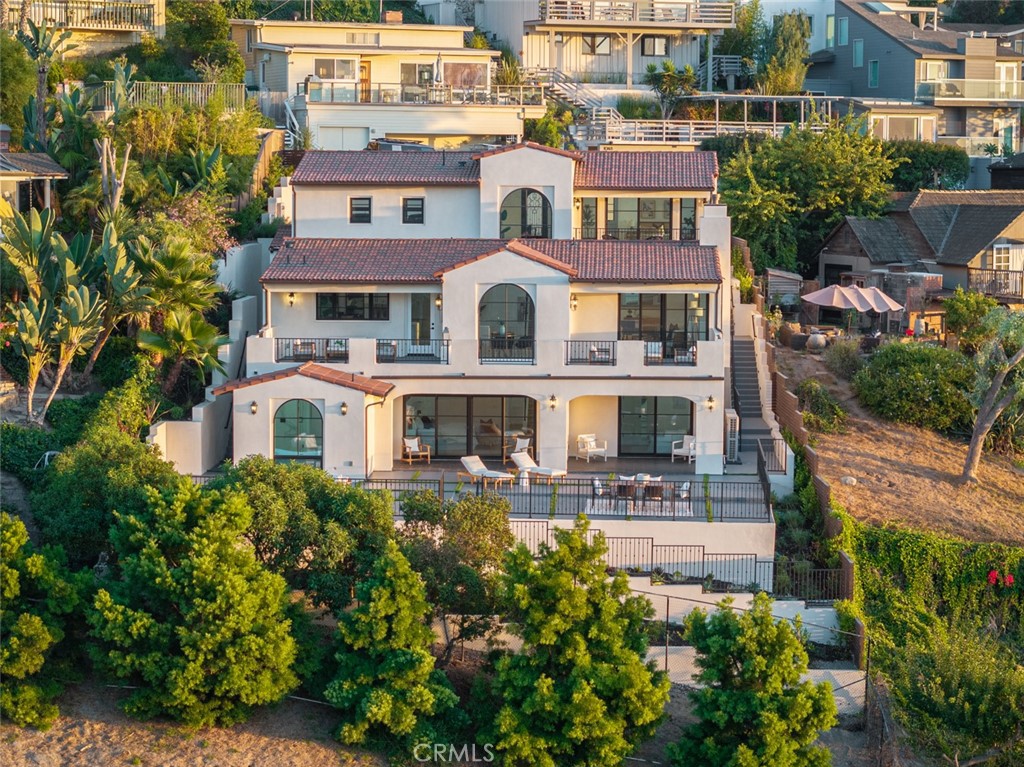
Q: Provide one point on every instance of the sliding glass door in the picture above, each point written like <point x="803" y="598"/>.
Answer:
<point x="649" y="425"/>
<point x="457" y="426"/>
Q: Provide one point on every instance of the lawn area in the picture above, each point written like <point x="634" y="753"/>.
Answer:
<point x="906" y="475"/>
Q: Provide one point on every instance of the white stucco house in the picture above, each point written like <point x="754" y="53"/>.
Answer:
<point x="469" y="299"/>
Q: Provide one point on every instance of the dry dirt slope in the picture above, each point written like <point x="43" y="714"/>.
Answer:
<point x="908" y="476"/>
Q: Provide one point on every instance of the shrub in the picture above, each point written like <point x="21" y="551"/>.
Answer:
<point x="116" y="362"/>
<point x="21" y="447"/>
<point x="919" y="385"/>
<point x="638" y="108"/>
<point x="843" y="358"/>
<point x="741" y="273"/>
<point x="926" y="165"/>
<point x="965" y="315"/>
<point x="14" y="363"/>
<point x="69" y="417"/>
<point x="822" y="412"/>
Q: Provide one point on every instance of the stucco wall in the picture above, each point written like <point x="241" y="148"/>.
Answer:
<point x="503" y="173"/>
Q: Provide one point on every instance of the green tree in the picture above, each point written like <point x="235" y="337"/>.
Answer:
<point x="33" y="337"/>
<point x="193" y="619"/>
<point x="999" y="380"/>
<point x="786" y="194"/>
<point x="549" y="130"/>
<point x="37" y="596"/>
<point x="72" y="136"/>
<point x="200" y="31"/>
<point x="786" y="65"/>
<point x="79" y="322"/>
<point x="753" y="708"/>
<point x="747" y="39"/>
<point x="578" y="691"/>
<point x="965" y="316"/>
<point x="18" y="76"/>
<point x="386" y="685"/>
<point x="669" y="84"/>
<point x="185" y="337"/>
<point x="43" y="46"/>
<point x="984" y="12"/>
<point x="927" y="165"/>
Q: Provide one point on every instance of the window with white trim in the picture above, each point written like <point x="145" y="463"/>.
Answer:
<point x="335" y="69"/>
<point x="360" y="210"/>
<point x="248" y="41"/>
<point x="1001" y="257"/>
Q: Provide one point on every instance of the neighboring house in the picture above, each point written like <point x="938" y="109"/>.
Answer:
<point x="820" y="13"/>
<point x="26" y="178"/>
<point x="884" y="51"/>
<point x="471" y="299"/>
<point x="97" y="26"/>
<point x="604" y="41"/>
<point x="350" y="84"/>
<point x="975" y="240"/>
<point x="1009" y="35"/>
<point x="1008" y="172"/>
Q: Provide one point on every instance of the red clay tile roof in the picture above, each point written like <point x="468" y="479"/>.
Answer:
<point x="387" y="168"/>
<point x="372" y="386"/>
<point x="530" y="145"/>
<point x="318" y="260"/>
<point x="630" y="171"/>
<point x="648" y="171"/>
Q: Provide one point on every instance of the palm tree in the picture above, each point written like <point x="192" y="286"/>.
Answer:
<point x="121" y="287"/>
<point x="43" y="45"/>
<point x="186" y="337"/>
<point x="79" y="321"/>
<point x="670" y="85"/>
<point x="177" y="278"/>
<point x="33" y="332"/>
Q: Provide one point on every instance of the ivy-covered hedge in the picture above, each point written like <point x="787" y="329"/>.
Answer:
<point x="918" y="384"/>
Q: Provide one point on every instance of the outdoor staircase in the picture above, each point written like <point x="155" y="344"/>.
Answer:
<point x="748" y="394"/>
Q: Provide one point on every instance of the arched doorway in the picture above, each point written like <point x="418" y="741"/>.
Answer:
<point x="525" y="213"/>
<point x="299" y="433"/>
<point x="506" y="322"/>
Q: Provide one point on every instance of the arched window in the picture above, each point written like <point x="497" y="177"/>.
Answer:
<point x="506" y="310"/>
<point x="525" y="213"/>
<point x="299" y="433"/>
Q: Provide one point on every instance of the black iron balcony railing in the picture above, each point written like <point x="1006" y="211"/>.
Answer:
<point x="510" y="349"/>
<point x="590" y="352"/>
<point x="311" y="349"/>
<point x="996" y="282"/>
<point x="643" y="232"/>
<point x="411" y="350"/>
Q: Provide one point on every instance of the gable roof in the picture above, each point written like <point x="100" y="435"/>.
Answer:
<point x="631" y="171"/>
<point x="528" y="145"/>
<point x="34" y="164"/>
<point x="408" y="261"/>
<point x="372" y="386"/>
<point x="923" y="42"/>
<point x="950" y="227"/>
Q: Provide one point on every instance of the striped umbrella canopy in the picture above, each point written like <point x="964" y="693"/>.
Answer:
<point x="879" y="301"/>
<point x="839" y="297"/>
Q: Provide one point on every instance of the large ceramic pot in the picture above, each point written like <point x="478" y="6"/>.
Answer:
<point x="816" y="342"/>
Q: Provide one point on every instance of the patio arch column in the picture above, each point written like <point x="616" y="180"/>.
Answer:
<point x="553" y="431"/>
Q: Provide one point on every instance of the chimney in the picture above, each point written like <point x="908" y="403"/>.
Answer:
<point x="392" y="17"/>
<point x="5" y="137"/>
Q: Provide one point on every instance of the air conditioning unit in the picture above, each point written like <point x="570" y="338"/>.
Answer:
<point x="732" y="436"/>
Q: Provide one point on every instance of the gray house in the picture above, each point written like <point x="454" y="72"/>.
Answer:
<point x="965" y="89"/>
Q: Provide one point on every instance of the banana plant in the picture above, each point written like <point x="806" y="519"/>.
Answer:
<point x="29" y="244"/>
<point x="78" y="324"/>
<point x="120" y="285"/>
<point x="208" y="169"/>
<point x="33" y="323"/>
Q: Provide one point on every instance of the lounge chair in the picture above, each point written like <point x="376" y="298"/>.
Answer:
<point x="517" y="445"/>
<point x="475" y="469"/>
<point x="528" y="466"/>
<point x="685" y="448"/>
<point x="414" y="450"/>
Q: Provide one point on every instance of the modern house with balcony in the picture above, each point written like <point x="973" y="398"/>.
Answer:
<point x="350" y="84"/>
<point x="917" y="81"/>
<point x="604" y="41"/>
<point x="468" y="300"/>
<point x="974" y="240"/>
<point x="98" y="26"/>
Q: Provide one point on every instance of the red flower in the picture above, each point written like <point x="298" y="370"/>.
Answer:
<point x="993" y="577"/>
<point x="1007" y="580"/>
<point x="910" y="331"/>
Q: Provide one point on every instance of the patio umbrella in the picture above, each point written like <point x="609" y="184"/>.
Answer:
<point x="438" y="71"/>
<point x="879" y="301"/>
<point x="838" y="297"/>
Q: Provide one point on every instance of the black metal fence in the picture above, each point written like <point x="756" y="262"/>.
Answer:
<point x="645" y="232"/>
<point x="507" y="350"/>
<point x="590" y="352"/>
<point x="773" y="454"/>
<point x="801" y="580"/>
<point x="411" y="350"/>
<point x="311" y="349"/>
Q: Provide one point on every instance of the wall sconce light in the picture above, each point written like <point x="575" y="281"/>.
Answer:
<point x="552" y="402"/>
<point x="253" y="407"/>
<point x="574" y="302"/>
<point x="438" y="302"/>
<point x="291" y="299"/>
<point x="344" y="408"/>
<point x="710" y="403"/>
<point x="446" y="335"/>
<point x="577" y="203"/>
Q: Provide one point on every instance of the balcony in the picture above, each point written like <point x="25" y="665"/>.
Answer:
<point x="971" y="90"/>
<point x="432" y="351"/>
<point x="672" y="13"/>
<point x="658" y="353"/>
<point x="975" y="146"/>
<point x="228" y="96"/>
<point x="349" y="92"/>
<point x="311" y="350"/>
<point x="1000" y="283"/>
<point x="590" y="353"/>
<point x="507" y="350"/>
<point x="86" y="14"/>
<point x="644" y="232"/>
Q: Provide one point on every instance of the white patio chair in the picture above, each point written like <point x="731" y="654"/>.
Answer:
<point x="475" y="469"/>
<point x="685" y="448"/>
<point x="517" y="445"/>
<point x="587" y="446"/>
<point x="526" y="465"/>
<point x="414" y="450"/>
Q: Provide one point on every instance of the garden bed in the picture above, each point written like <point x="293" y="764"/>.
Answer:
<point x="908" y="476"/>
